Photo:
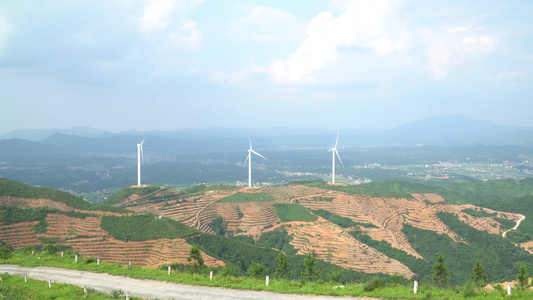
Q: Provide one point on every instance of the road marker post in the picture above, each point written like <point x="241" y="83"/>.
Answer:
<point x="509" y="289"/>
<point x="415" y="287"/>
<point x="267" y="280"/>
<point x="211" y="275"/>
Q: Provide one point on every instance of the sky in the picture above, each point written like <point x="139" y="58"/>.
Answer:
<point x="168" y="64"/>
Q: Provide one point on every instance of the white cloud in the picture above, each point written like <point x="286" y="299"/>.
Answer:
<point x="188" y="35"/>
<point x="446" y="49"/>
<point x="156" y="15"/>
<point x="266" y="24"/>
<point x="375" y="36"/>
<point x="363" y="24"/>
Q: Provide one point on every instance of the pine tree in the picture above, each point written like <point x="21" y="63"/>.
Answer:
<point x="282" y="267"/>
<point x="440" y="278"/>
<point x="309" y="264"/>
<point x="195" y="255"/>
<point x="479" y="276"/>
<point x="523" y="277"/>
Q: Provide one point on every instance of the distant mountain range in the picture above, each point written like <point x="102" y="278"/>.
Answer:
<point x="439" y="131"/>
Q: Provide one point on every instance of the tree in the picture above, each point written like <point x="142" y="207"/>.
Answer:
<point x="282" y="267"/>
<point x="5" y="252"/>
<point x="523" y="277"/>
<point x="440" y="277"/>
<point x="50" y="249"/>
<point x="257" y="270"/>
<point x="195" y="256"/>
<point x="309" y="265"/>
<point x="479" y="276"/>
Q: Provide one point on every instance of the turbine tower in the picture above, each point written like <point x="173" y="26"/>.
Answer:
<point x="249" y="160"/>
<point x="333" y="152"/>
<point x="140" y="154"/>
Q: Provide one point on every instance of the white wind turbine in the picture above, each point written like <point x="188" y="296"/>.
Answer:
<point x="333" y="152"/>
<point x="249" y="160"/>
<point x="140" y="154"/>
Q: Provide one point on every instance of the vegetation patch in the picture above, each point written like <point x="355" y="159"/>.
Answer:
<point x="218" y="225"/>
<point x="288" y="212"/>
<point x="15" y="214"/>
<point x="242" y="255"/>
<point x="247" y="197"/>
<point x="144" y="227"/>
<point x="355" y="190"/>
<point x="499" y="256"/>
<point x="17" y="189"/>
<point x="141" y="191"/>
<point x="521" y="205"/>
<point x="478" y="213"/>
<point x="492" y="190"/>
<point x="343" y="222"/>
<point x="277" y="239"/>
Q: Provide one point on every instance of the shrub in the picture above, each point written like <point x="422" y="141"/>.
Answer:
<point x="257" y="270"/>
<point x="374" y="284"/>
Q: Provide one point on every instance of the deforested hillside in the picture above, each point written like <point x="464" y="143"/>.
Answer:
<point x="360" y="230"/>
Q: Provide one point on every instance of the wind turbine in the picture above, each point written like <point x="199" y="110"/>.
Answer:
<point x="140" y="154"/>
<point x="249" y="160"/>
<point x="333" y="152"/>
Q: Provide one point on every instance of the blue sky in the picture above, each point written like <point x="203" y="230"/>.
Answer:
<point x="169" y="64"/>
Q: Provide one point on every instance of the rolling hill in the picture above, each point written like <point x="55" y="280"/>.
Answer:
<point x="360" y="230"/>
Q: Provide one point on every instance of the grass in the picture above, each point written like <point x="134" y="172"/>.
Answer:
<point x="247" y="197"/>
<point x="13" y="285"/>
<point x="288" y="212"/>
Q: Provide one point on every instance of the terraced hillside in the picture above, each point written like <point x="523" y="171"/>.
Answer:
<point x="254" y="213"/>
<point x="382" y="218"/>
<point x="85" y="235"/>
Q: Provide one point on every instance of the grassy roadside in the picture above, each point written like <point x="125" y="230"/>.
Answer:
<point x="14" y="287"/>
<point x="376" y="290"/>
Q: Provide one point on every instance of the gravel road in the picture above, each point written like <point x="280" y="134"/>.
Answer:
<point x="146" y="288"/>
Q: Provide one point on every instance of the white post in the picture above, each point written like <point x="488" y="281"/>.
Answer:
<point x="85" y="291"/>
<point x="62" y="253"/>
<point x="415" y="288"/>
<point x="49" y="283"/>
<point x="267" y="281"/>
<point x="25" y="278"/>
<point x="127" y="295"/>
<point x="97" y="261"/>
<point x="509" y="289"/>
<point x="211" y="275"/>
<point x="31" y="252"/>
<point x="168" y="270"/>
<point x="76" y="258"/>
<point x="129" y="265"/>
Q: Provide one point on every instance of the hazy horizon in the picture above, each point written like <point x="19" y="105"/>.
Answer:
<point x="176" y="64"/>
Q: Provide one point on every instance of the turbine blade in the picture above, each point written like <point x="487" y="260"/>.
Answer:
<point x="247" y="157"/>
<point x="142" y="153"/>
<point x="337" y="140"/>
<point x="258" y="154"/>
<point x="339" y="157"/>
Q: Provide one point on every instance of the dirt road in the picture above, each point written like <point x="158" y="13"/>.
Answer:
<point x="146" y="288"/>
<point x="522" y="217"/>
